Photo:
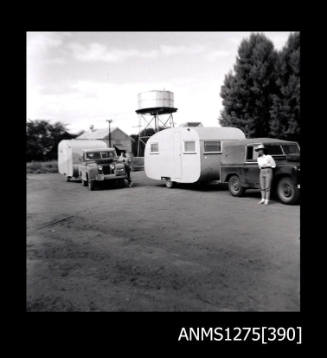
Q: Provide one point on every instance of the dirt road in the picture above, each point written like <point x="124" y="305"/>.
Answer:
<point x="149" y="248"/>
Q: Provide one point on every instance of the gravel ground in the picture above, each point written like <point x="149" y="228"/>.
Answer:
<point x="149" y="248"/>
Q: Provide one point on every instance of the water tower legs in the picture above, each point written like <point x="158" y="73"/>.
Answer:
<point x="156" y="122"/>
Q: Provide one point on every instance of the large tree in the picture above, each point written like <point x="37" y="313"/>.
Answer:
<point x="285" y="109"/>
<point x="262" y="95"/>
<point x="42" y="139"/>
<point x="247" y="91"/>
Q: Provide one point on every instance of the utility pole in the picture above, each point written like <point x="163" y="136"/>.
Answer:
<point x="138" y="139"/>
<point x="109" y="137"/>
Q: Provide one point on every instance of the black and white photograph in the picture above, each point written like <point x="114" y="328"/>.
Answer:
<point x="163" y="171"/>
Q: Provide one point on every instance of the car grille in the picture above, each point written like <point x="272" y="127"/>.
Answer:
<point x="106" y="169"/>
<point x="120" y="171"/>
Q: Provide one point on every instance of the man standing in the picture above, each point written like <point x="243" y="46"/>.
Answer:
<point x="266" y="164"/>
<point x="127" y="164"/>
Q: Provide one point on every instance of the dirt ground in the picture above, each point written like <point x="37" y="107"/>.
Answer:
<point x="149" y="248"/>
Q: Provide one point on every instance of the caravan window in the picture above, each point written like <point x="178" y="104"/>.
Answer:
<point x="189" y="146"/>
<point x="154" y="148"/>
<point x="212" y="146"/>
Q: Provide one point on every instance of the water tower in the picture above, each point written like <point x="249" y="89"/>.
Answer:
<point x="155" y="110"/>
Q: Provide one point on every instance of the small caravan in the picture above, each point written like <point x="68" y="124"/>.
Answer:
<point x="70" y="154"/>
<point x="187" y="154"/>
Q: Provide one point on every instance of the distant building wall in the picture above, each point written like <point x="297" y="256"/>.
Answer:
<point x="191" y="124"/>
<point x="120" y="139"/>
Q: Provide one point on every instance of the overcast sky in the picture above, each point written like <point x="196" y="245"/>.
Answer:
<point x="84" y="78"/>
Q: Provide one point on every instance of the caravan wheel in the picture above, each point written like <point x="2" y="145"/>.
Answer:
<point x="169" y="183"/>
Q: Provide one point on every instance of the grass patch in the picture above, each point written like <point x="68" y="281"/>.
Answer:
<point x="42" y="167"/>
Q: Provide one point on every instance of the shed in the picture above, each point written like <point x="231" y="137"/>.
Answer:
<point x="121" y="141"/>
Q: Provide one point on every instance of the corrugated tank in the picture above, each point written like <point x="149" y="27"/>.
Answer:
<point x="155" y="99"/>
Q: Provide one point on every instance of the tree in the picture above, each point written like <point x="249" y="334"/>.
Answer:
<point x="42" y="139"/>
<point x="247" y="91"/>
<point x="285" y="109"/>
<point x="146" y="133"/>
<point x="262" y="95"/>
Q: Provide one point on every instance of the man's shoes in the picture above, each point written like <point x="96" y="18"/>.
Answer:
<point x="261" y="201"/>
<point x="266" y="202"/>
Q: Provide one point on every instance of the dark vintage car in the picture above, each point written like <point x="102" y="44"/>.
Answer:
<point x="99" y="165"/>
<point x="239" y="167"/>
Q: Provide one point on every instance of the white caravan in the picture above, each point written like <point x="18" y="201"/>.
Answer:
<point x="187" y="154"/>
<point x="70" y="154"/>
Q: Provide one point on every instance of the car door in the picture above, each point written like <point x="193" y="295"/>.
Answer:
<point x="251" y="169"/>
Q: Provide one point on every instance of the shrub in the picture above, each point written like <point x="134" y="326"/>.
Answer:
<point x="42" y="167"/>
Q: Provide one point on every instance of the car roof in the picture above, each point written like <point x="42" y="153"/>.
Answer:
<point x="100" y="150"/>
<point x="258" y="141"/>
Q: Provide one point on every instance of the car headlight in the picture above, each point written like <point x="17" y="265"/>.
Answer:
<point x="100" y="167"/>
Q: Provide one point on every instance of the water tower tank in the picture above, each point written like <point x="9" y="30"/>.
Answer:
<point x="159" y="102"/>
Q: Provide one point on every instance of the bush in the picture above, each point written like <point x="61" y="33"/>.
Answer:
<point x="42" y="167"/>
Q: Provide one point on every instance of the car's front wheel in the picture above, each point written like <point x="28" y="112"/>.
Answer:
<point x="287" y="191"/>
<point x="234" y="186"/>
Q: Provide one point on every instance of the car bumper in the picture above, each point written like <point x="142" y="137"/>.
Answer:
<point x="102" y="177"/>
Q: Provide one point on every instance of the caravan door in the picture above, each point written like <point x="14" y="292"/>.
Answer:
<point x="177" y="156"/>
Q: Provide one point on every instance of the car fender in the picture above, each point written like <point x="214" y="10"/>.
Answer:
<point x="92" y="171"/>
<point x="228" y="172"/>
<point x="81" y="171"/>
<point x="120" y="166"/>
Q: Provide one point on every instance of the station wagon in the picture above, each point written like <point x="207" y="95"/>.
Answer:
<point x="239" y="167"/>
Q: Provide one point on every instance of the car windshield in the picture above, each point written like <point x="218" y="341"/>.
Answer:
<point x="101" y="155"/>
<point x="273" y="149"/>
<point x="106" y="155"/>
<point x="93" y="155"/>
<point x="291" y="148"/>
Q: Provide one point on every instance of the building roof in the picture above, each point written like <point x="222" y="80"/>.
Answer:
<point x="96" y="134"/>
<point x="191" y="124"/>
<point x="99" y="150"/>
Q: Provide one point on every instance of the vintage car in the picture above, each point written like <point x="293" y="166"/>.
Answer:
<point x="239" y="167"/>
<point x="98" y="165"/>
